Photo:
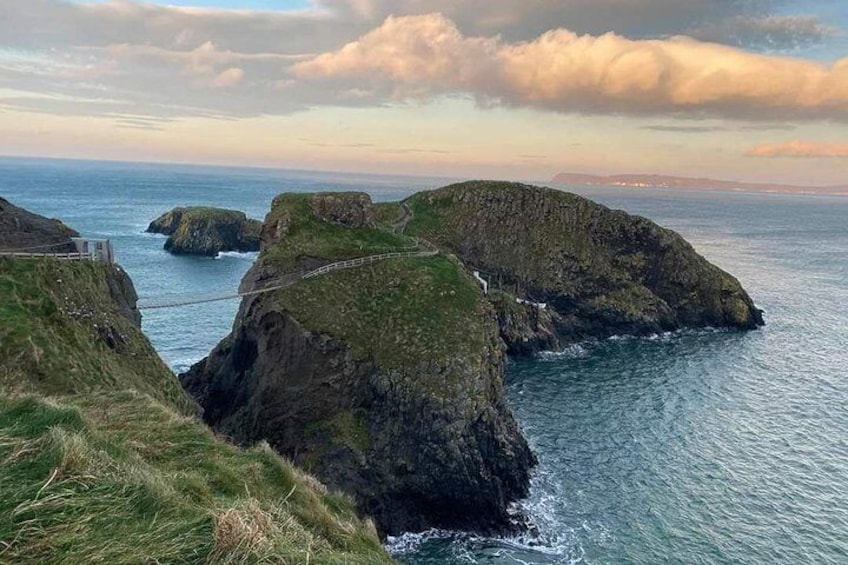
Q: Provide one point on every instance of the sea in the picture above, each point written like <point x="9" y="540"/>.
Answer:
<point x="698" y="447"/>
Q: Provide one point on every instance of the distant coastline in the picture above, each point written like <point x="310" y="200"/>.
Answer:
<point x="689" y="183"/>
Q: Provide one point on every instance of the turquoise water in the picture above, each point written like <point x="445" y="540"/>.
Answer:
<point x="703" y="447"/>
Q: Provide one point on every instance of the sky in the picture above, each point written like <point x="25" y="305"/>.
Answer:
<point x="754" y="90"/>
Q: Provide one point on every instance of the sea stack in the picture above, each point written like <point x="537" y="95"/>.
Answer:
<point x="386" y="381"/>
<point x="207" y="231"/>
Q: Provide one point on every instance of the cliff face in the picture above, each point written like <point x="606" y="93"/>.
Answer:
<point x="600" y="272"/>
<point x="207" y="231"/>
<point x="386" y="381"/>
<point x="21" y="229"/>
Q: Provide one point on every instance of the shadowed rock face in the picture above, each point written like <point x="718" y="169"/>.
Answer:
<point x="20" y="228"/>
<point x="385" y="382"/>
<point x="600" y="271"/>
<point x="207" y="231"/>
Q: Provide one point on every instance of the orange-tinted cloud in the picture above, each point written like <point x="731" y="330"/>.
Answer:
<point x="228" y="78"/>
<point x="426" y="56"/>
<point x="801" y="149"/>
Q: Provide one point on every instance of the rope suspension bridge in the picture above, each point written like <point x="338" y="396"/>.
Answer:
<point x="279" y="283"/>
<point x="101" y="250"/>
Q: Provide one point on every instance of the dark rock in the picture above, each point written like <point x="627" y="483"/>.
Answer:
<point x="123" y="294"/>
<point x="207" y="231"/>
<point x="412" y="460"/>
<point x="21" y="229"/>
<point x="525" y="328"/>
<point x="348" y="209"/>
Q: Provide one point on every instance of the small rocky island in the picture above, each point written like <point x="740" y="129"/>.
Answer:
<point x="386" y="380"/>
<point x="207" y="231"/>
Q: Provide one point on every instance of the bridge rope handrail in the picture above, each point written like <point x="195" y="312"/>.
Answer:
<point x="37" y="247"/>
<point x="290" y="279"/>
<point x="60" y="256"/>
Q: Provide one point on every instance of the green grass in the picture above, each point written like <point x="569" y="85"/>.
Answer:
<point x="309" y="237"/>
<point x="122" y="478"/>
<point x="387" y="213"/>
<point x="53" y="319"/>
<point x="102" y="461"/>
<point x="429" y="215"/>
<point x="399" y="312"/>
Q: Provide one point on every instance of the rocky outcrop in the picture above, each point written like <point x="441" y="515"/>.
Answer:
<point x="21" y="229"/>
<point x="349" y="209"/>
<point x="385" y="382"/>
<point x="207" y="231"/>
<point x="600" y="271"/>
<point x="525" y="328"/>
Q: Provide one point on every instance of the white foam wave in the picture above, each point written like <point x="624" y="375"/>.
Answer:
<point x="252" y="256"/>
<point x="408" y="543"/>
<point x="575" y="351"/>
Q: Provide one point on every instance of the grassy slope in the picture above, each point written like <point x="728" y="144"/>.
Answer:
<point x="92" y="473"/>
<point x="397" y="312"/>
<point x="52" y="314"/>
<point x="121" y="478"/>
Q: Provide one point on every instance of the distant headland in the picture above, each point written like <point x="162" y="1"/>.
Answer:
<point x="689" y="183"/>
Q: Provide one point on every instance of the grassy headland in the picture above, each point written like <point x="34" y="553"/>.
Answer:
<point x="103" y="461"/>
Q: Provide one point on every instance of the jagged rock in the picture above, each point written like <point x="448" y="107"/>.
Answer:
<point x="600" y="271"/>
<point x="123" y="293"/>
<point x="525" y="328"/>
<point x="349" y="209"/>
<point x="385" y="382"/>
<point x="207" y="231"/>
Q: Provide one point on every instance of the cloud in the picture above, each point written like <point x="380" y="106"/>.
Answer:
<point x="98" y="58"/>
<point x="739" y="22"/>
<point x="421" y="57"/>
<point x="801" y="149"/>
<point x="686" y="129"/>
<point x="228" y="78"/>
<point x="717" y="128"/>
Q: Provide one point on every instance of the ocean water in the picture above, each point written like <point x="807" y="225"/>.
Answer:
<point x="709" y="447"/>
